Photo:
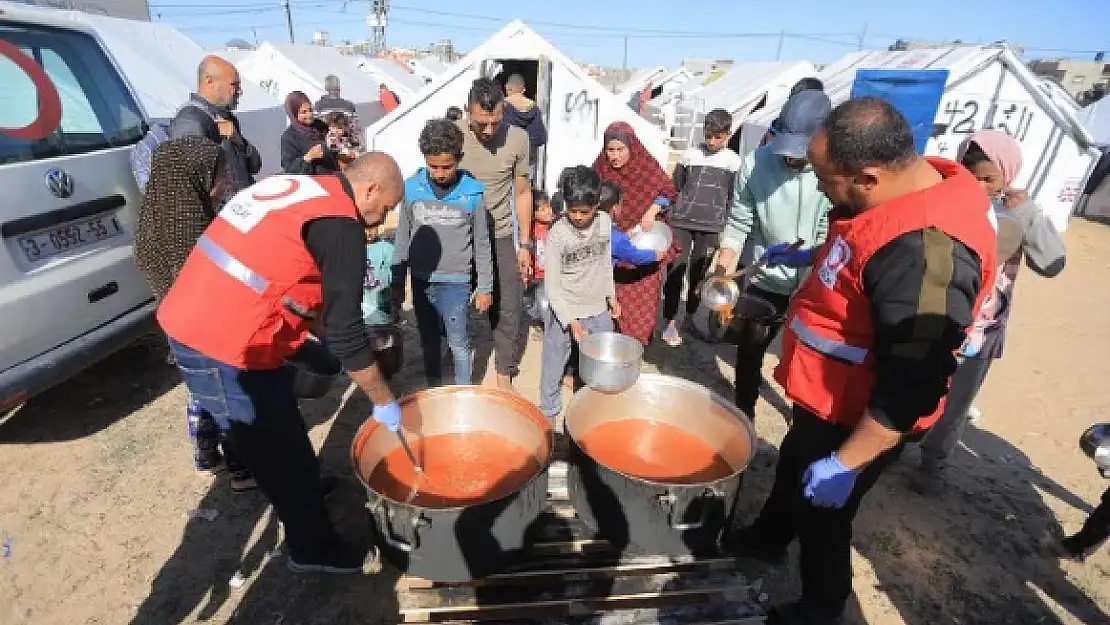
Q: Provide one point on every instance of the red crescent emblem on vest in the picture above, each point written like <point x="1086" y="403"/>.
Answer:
<point x="49" y="115"/>
<point x="294" y="184"/>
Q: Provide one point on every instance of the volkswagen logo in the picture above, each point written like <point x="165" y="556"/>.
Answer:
<point x="59" y="182"/>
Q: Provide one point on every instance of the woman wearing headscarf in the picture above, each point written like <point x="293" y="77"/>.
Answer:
<point x="1024" y="231"/>
<point x="304" y="143"/>
<point x="188" y="175"/>
<point x="647" y="191"/>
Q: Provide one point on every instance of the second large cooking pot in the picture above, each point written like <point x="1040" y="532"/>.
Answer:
<point x="485" y="453"/>
<point x="657" y="467"/>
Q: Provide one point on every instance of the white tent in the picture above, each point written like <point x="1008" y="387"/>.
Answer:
<point x="988" y="87"/>
<point x="160" y="64"/>
<point x="660" y="79"/>
<point x="1096" y="117"/>
<point x="393" y="75"/>
<point x="282" y="67"/>
<point x="576" y="107"/>
<point x="743" y="90"/>
<point x="426" y="68"/>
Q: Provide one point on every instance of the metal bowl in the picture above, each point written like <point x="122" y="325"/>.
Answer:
<point x="658" y="239"/>
<point x="315" y="369"/>
<point x="387" y="341"/>
<point x="610" y="362"/>
<point x="720" y="293"/>
<point x="1095" y="442"/>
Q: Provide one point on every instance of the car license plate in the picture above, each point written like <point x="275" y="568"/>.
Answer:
<point x="71" y="236"/>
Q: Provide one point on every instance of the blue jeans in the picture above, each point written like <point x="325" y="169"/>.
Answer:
<point x="258" y="410"/>
<point x="557" y="346"/>
<point x="443" y="305"/>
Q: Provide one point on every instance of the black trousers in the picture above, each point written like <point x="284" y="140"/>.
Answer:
<point x="1095" y="530"/>
<point x="276" y="448"/>
<point x="696" y="251"/>
<point x="510" y="332"/>
<point x="825" y="534"/>
<point x="749" y="356"/>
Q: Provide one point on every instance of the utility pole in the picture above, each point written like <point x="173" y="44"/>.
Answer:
<point x="624" y="63"/>
<point x="778" y="53"/>
<point x="377" y="20"/>
<point x="288" y="19"/>
<point x="862" y="36"/>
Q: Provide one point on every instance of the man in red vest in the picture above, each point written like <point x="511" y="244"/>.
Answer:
<point x="869" y="339"/>
<point x="281" y="254"/>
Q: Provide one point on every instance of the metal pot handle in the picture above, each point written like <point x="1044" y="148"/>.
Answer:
<point x="668" y="499"/>
<point x="387" y="534"/>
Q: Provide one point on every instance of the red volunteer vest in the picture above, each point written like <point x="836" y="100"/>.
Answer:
<point x="232" y="300"/>
<point x="827" y="365"/>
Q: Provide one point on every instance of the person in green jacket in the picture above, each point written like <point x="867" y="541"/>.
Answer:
<point x="775" y="201"/>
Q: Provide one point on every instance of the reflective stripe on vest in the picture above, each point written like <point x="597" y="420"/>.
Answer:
<point x="231" y="265"/>
<point x="828" y="347"/>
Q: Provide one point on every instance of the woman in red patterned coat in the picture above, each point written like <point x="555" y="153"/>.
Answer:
<point x="647" y="191"/>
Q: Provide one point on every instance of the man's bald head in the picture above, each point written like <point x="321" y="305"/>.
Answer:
<point x="377" y="184"/>
<point x="218" y="82"/>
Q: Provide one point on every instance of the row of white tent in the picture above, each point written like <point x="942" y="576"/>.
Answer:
<point x="988" y="87"/>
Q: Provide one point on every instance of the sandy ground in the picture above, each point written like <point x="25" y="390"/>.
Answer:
<point x="97" y="481"/>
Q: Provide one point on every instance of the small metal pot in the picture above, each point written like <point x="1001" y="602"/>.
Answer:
<point x="457" y="544"/>
<point x="610" y="362"/>
<point x="658" y="239"/>
<point x="1095" y="442"/>
<point x="388" y="344"/>
<point x="315" y="369"/>
<point x="671" y="518"/>
<point x="720" y="293"/>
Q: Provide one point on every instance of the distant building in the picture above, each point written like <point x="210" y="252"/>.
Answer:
<point x="1079" y="78"/>
<point x="127" y="9"/>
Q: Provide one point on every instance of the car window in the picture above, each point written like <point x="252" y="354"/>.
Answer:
<point x="97" y="110"/>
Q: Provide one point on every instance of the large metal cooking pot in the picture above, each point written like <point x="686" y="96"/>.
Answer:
<point x="1095" y="442"/>
<point x="609" y="362"/>
<point x="434" y="538"/>
<point x="658" y="239"/>
<point x="679" y="515"/>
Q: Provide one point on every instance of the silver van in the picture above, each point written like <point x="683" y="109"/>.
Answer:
<point x="70" y="293"/>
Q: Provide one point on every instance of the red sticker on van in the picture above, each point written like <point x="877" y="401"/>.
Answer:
<point x="49" y="115"/>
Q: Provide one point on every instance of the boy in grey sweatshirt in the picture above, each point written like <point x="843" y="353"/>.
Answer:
<point x="578" y="279"/>
<point x="442" y="234"/>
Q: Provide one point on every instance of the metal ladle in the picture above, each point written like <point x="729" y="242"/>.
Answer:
<point x="415" y="463"/>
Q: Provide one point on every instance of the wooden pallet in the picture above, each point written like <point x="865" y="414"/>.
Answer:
<point x="572" y="577"/>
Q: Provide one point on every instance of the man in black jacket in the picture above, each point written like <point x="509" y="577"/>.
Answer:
<point x="208" y="113"/>
<point x="522" y="112"/>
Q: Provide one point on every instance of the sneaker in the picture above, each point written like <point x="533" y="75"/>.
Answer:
<point x="340" y="559"/>
<point x="744" y="543"/>
<point x="672" y="337"/>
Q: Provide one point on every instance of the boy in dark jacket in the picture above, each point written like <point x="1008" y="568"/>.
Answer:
<point x="704" y="178"/>
<point x="442" y="233"/>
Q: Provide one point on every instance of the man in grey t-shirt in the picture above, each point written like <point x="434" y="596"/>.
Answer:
<point x="497" y="155"/>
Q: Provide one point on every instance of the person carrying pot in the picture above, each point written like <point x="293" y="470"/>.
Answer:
<point x="870" y="338"/>
<point x="775" y="199"/>
<point x="282" y="252"/>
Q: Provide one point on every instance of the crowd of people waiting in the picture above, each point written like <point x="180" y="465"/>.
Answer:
<point x="901" y="288"/>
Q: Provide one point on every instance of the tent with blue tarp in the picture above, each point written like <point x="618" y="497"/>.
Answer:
<point x="916" y="93"/>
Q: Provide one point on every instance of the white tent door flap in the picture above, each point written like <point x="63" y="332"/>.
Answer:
<point x="543" y="101"/>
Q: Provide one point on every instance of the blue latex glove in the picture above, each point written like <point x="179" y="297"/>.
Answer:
<point x="388" y="415"/>
<point x="662" y="202"/>
<point x="828" y="483"/>
<point x="777" y="255"/>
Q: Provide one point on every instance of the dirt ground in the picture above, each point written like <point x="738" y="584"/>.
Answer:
<point x="97" y="482"/>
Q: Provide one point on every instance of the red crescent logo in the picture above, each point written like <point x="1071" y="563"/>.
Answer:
<point x="50" y="104"/>
<point x="294" y="184"/>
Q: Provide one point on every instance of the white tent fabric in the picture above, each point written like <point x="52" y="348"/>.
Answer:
<point x="427" y="68"/>
<point x="1096" y="118"/>
<point x="394" y="76"/>
<point x="160" y="64"/>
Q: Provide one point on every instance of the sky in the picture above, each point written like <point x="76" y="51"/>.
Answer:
<point x="663" y="32"/>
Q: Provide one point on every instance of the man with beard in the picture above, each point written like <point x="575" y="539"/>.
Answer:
<point x="497" y="155"/>
<point x="869" y="340"/>
<point x="208" y="113"/>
